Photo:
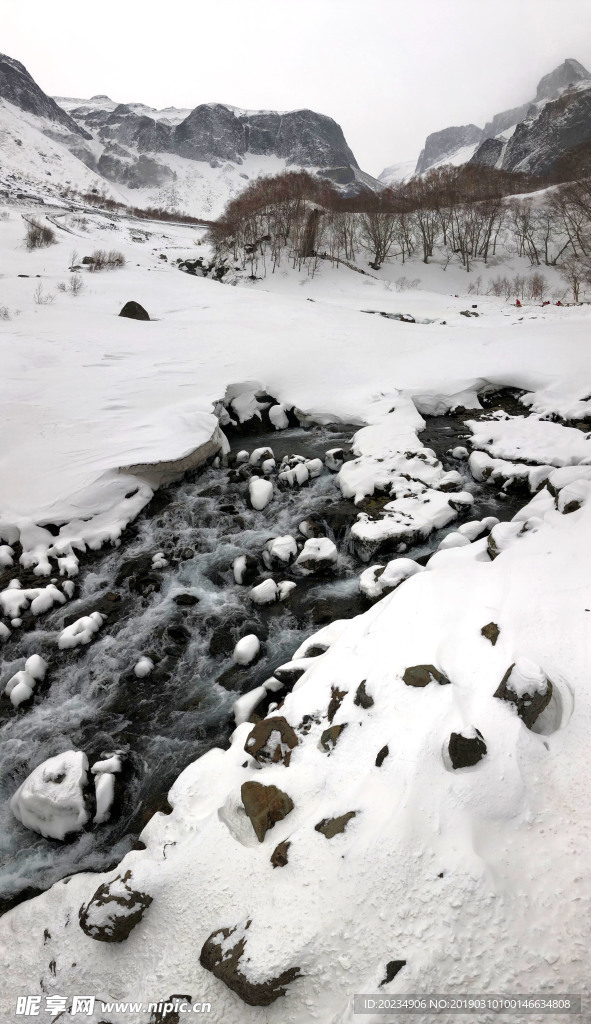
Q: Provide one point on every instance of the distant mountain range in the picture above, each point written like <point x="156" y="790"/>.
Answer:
<point x="542" y="136"/>
<point x="193" y="160"/>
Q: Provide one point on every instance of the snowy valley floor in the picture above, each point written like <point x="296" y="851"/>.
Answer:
<point x="429" y="826"/>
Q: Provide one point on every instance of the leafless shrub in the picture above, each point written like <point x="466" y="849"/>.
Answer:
<point x="4" y="313"/>
<point x="407" y="284"/>
<point x="103" y="260"/>
<point x="76" y="284"/>
<point x="38" y="235"/>
<point x="475" y="287"/>
<point x="74" y="259"/>
<point x="42" y="298"/>
<point x="62" y="286"/>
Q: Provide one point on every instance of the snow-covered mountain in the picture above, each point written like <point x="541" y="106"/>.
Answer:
<point x="531" y="137"/>
<point x="193" y="160"/>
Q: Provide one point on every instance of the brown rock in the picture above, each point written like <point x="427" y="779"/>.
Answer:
<point x="224" y="963"/>
<point x="279" y="856"/>
<point x="382" y="755"/>
<point x="529" y="706"/>
<point x="422" y="675"/>
<point x="491" y="631"/>
<point x="272" y="740"/>
<point x="114" y="910"/>
<point x="331" y="827"/>
<point x="362" y="697"/>
<point x="465" y="751"/>
<point x="264" y="805"/>
<point x="335" y="701"/>
<point x="329" y="737"/>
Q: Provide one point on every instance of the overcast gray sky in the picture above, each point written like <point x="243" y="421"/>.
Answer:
<point x="389" y="71"/>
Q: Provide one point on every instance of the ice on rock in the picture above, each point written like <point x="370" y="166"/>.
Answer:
<point x="318" y="553"/>
<point x="81" y="631"/>
<point x="246" y="650"/>
<point x="51" y="800"/>
<point x="143" y="668"/>
<point x="264" y="593"/>
<point x="260" y="493"/>
<point x="6" y="556"/>
<point x="260" y="455"/>
<point x="104" y="789"/>
<point x="278" y="417"/>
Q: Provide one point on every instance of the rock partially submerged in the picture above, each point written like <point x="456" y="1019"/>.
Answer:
<point x="52" y="800"/>
<point x="227" y="962"/>
<point x="114" y="910"/>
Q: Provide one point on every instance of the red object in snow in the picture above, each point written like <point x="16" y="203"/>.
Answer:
<point x="559" y="303"/>
<point x="517" y="303"/>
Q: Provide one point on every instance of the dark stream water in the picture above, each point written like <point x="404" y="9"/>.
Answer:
<point x="92" y="700"/>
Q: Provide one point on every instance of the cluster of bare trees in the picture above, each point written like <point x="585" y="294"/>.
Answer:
<point x="466" y="214"/>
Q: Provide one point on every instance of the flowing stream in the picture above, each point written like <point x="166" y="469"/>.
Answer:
<point x="91" y="698"/>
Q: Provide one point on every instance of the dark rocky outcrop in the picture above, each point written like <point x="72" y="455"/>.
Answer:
<point x="114" y="910"/>
<point x="491" y="631"/>
<point x="279" y="856"/>
<point x="362" y="697"/>
<point x="465" y="751"/>
<point x="330" y="736"/>
<point x="422" y="675"/>
<point x="271" y="741"/>
<point x="382" y="755"/>
<point x="529" y="706"/>
<point x="134" y="311"/>
<point x="265" y="806"/>
<point x="331" y="827"/>
<point x="392" y="969"/>
<point x="17" y="87"/>
<point x="224" y="962"/>
<point x="336" y="699"/>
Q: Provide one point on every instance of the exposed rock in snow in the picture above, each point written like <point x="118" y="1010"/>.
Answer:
<point x="134" y="311"/>
<point x="526" y="685"/>
<point x="246" y="650"/>
<point x="318" y="555"/>
<point x="466" y="748"/>
<point x="491" y="631"/>
<point x="331" y="827"/>
<point x="52" y="800"/>
<point x="334" y="459"/>
<point x="114" y="910"/>
<point x="81" y="631"/>
<point x="265" y="806"/>
<point x="225" y="954"/>
<point x="260" y="493"/>
<point x="422" y="675"/>
<point x="271" y="740"/>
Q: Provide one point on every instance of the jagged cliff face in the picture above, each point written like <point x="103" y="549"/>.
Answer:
<point x="17" y="87"/>
<point x="568" y="73"/>
<point x="446" y="143"/>
<point x="539" y="144"/>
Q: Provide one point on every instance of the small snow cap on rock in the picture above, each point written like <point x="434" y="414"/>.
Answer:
<point x="334" y="459"/>
<point x="526" y="685"/>
<point x="318" y="554"/>
<point x="246" y="650"/>
<point x="143" y="668"/>
<point x="51" y="800"/>
<point x="81" y="631"/>
<point x="265" y="593"/>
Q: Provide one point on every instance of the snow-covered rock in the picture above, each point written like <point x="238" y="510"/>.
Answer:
<point x="280" y="551"/>
<point x="143" y="667"/>
<point x="319" y="554"/>
<point x="260" y="493"/>
<point x="52" y="800"/>
<point x="246" y="650"/>
<point x="264" y="593"/>
<point x="378" y="580"/>
<point x="81" y="631"/>
<point x="260" y="455"/>
<point x="20" y="687"/>
<point x="244" y="569"/>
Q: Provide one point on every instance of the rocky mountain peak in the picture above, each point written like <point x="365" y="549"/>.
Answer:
<point x="568" y="73"/>
<point x="445" y="143"/>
